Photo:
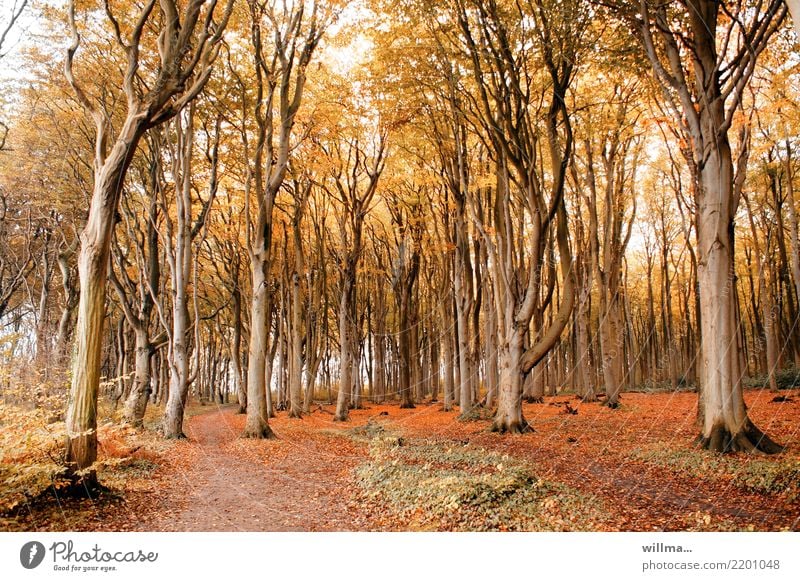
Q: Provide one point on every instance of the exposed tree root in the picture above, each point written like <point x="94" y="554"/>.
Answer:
<point x="611" y="404"/>
<point x="534" y="399"/>
<point x="407" y="406"/>
<point x="178" y="436"/>
<point x="343" y="417"/>
<point x="259" y="433"/>
<point x="515" y="427"/>
<point x="750" y="439"/>
<point x="83" y="485"/>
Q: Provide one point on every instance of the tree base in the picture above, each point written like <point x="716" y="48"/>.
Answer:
<point x="296" y="415"/>
<point x="504" y="427"/>
<point x="534" y="399"/>
<point x="175" y="436"/>
<point x="241" y="409"/>
<point x="407" y="406"/>
<point x="750" y="439"/>
<point x="341" y="417"/>
<point x="611" y="404"/>
<point x="85" y="486"/>
<point x="259" y="433"/>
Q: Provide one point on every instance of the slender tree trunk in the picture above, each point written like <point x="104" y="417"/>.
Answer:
<point x="296" y="362"/>
<point x="447" y="352"/>
<point x="70" y="302"/>
<point x="240" y="387"/>
<point x="345" y="350"/>
<point x="257" y="425"/>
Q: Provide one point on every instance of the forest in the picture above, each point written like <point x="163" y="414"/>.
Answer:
<point x="381" y="265"/>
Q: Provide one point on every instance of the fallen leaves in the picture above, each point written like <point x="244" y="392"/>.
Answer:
<point x="422" y="469"/>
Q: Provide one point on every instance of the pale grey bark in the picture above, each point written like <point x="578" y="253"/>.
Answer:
<point x="704" y="107"/>
<point x="280" y="81"/>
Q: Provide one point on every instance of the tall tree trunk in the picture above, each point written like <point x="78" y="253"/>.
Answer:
<point x="726" y="425"/>
<point x="257" y="425"/>
<point x="345" y="349"/>
<point x="296" y="349"/>
<point x="239" y="384"/>
<point x="81" y="419"/>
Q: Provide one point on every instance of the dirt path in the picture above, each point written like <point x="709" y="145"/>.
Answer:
<point x="303" y="481"/>
<point x="222" y="483"/>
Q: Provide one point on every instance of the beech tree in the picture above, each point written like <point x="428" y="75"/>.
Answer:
<point x="283" y="39"/>
<point x="703" y="53"/>
<point x="136" y="296"/>
<point x="508" y="113"/>
<point x="355" y="170"/>
<point x="155" y="89"/>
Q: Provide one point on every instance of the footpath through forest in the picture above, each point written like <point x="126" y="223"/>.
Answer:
<point x="636" y="462"/>
<point x="584" y="467"/>
<point x="220" y="482"/>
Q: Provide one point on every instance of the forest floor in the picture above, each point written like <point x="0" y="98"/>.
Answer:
<point x="630" y="469"/>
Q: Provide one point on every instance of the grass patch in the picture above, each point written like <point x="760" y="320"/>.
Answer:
<point x="751" y="473"/>
<point x="445" y="486"/>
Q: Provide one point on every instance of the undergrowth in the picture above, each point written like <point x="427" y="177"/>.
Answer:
<point x="788" y="378"/>
<point x="750" y="473"/>
<point x="446" y="486"/>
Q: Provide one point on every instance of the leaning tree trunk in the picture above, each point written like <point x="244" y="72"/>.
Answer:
<point x="82" y="411"/>
<point x="81" y="420"/>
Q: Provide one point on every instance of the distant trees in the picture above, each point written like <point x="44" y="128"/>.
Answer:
<point x="543" y="221"/>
